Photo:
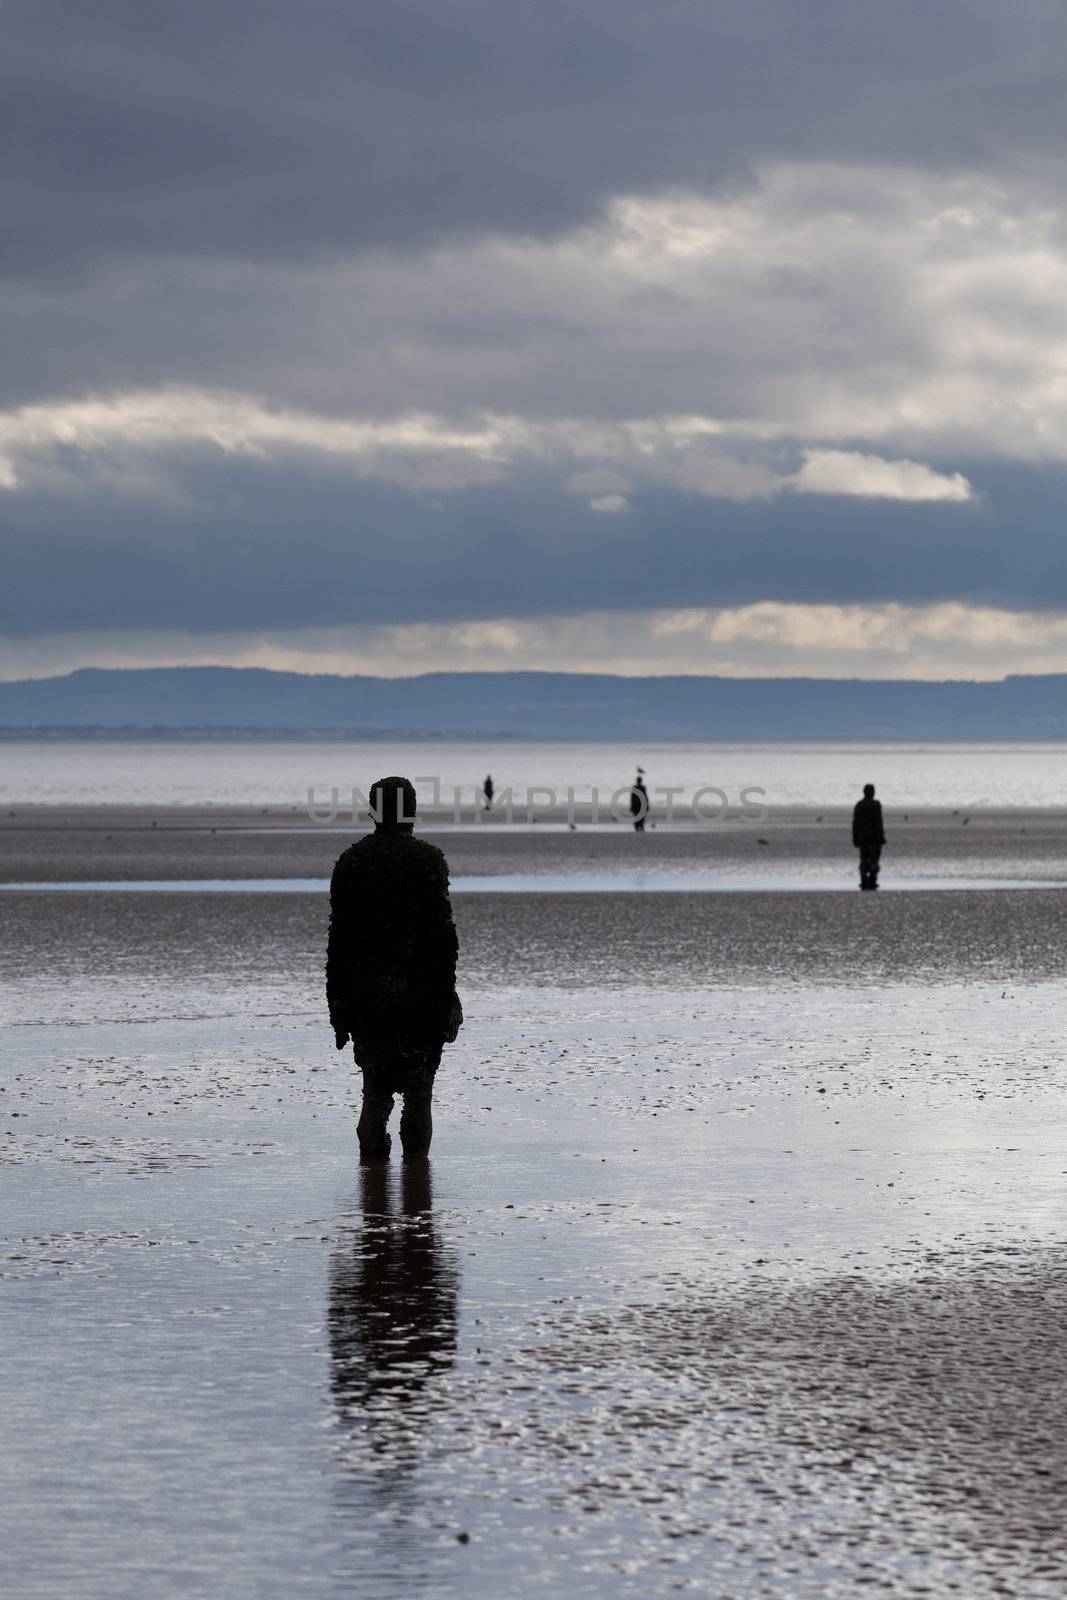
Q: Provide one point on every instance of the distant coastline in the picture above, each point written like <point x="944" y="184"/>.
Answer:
<point x="232" y="703"/>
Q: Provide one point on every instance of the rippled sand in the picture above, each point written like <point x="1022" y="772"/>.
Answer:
<point x="739" y="1268"/>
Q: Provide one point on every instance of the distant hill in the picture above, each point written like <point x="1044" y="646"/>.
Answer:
<point x="182" y="701"/>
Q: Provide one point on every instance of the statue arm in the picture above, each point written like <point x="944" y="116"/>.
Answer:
<point x="339" y="957"/>
<point x="449" y="945"/>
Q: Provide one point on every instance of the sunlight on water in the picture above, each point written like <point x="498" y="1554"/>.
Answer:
<point x="281" y="773"/>
<point x="540" y="883"/>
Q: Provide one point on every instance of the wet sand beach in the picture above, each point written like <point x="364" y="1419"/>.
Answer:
<point x="738" y="1268"/>
<point x="117" y="843"/>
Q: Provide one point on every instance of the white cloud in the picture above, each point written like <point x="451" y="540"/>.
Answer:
<point x="607" y="490"/>
<point x="124" y="439"/>
<point x="980" y="635"/>
<point x="499" y="638"/>
<point x="65" y="435"/>
<point x="668" y="624"/>
<point x="872" y="477"/>
<point x="830" y="304"/>
<point x="768" y="638"/>
<point x="720" y="475"/>
<point x="701" y="342"/>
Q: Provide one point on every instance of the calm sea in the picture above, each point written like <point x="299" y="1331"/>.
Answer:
<point x="252" y="773"/>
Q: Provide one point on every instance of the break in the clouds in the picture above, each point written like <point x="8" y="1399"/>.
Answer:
<point x="468" y="317"/>
<point x="889" y="641"/>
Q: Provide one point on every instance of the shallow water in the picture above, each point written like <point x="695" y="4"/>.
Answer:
<point x="545" y="883"/>
<point x="738" y="1269"/>
<point x="281" y="773"/>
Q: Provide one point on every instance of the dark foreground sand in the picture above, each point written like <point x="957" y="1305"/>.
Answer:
<point x="739" y="1269"/>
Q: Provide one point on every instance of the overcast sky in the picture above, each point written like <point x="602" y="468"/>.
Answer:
<point x="635" y="335"/>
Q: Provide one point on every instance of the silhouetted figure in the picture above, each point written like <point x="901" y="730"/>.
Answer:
<point x="487" y="791"/>
<point x="391" y="968"/>
<point x="392" y="1319"/>
<point x="868" y="835"/>
<point x="639" y="801"/>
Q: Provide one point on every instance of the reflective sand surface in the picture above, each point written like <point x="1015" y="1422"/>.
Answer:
<point x="280" y="772"/>
<point x="798" y="849"/>
<point x="738" y="1270"/>
<point x="540" y="883"/>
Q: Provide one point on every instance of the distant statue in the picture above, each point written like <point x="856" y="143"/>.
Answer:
<point x="487" y="791"/>
<point x="868" y="836"/>
<point x="391" y="968"/>
<point x="639" y="801"/>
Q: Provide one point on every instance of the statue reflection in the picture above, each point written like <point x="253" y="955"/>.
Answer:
<point x="394" y="1289"/>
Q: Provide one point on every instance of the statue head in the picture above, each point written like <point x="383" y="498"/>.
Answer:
<point x="392" y="804"/>
<point x="868" y="791"/>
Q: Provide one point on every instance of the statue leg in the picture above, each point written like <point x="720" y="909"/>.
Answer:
<point x="372" y="1130"/>
<point x="416" y="1119"/>
<point x="416" y="1123"/>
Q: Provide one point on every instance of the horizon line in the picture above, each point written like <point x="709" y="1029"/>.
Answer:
<point x="521" y="672"/>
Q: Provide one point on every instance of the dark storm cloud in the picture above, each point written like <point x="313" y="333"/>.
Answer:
<point x="300" y="550"/>
<point x="267" y="130"/>
<point x="350" y="212"/>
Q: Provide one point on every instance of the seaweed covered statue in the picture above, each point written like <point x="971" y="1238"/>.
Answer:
<point x="391" y="968"/>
